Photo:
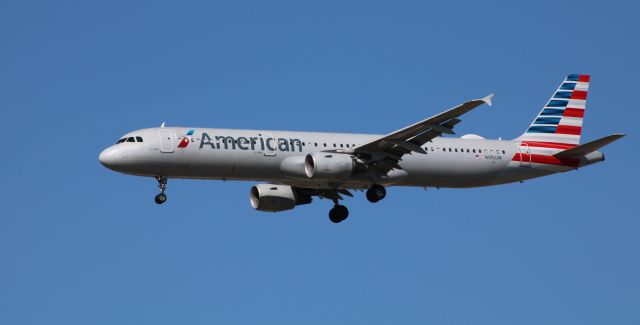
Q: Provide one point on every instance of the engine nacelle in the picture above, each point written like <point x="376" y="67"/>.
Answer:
<point x="322" y="165"/>
<point x="274" y="198"/>
<point x="293" y="167"/>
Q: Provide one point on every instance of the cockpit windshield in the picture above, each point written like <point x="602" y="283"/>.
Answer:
<point x="130" y="139"/>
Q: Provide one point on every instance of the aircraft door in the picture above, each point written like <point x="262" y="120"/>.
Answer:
<point x="166" y="140"/>
<point x="525" y="155"/>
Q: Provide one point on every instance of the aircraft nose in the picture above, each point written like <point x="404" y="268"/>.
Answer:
<point x="117" y="159"/>
<point x="108" y="158"/>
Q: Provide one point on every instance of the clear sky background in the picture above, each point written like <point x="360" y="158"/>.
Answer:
<point x="80" y="244"/>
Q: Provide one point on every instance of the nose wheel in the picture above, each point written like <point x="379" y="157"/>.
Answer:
<point x="162" y="184"/>
<point x="376" y="193"/>
<point x="161" y="198"/>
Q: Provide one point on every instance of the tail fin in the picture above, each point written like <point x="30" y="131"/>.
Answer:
<point x="560" y="121"/>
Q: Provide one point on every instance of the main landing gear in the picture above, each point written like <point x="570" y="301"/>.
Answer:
<point x="162" y="183"/>
<point x="338" y="213"/>
<point x="376" y="193"/>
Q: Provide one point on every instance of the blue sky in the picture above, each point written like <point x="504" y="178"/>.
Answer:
<point x="80" y="244"/>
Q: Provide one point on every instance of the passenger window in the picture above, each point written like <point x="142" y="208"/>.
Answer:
<point x="341" y="145"/>
<point x="504" y="152"/>
<point x="456" y="149"/>
<point x="139" y="139"/>
<point x="315" y="143"/>
<point x="449" y="149"/>
<point x="325" y="144"/>
<point x="474" y="150"/>
<point x="467" y="150"/>
<point x="130" y="139"/>
<point x="334" y="145"/>
<point x="444" y="149"/>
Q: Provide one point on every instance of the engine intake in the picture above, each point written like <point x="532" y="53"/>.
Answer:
<point x="321" y="165"/>
<point x="274" y="198"/>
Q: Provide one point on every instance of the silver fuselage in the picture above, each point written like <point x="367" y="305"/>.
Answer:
<point x="258" y="155"/>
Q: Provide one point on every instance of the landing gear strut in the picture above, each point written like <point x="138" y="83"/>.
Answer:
<point x="162" y="183"/>
<point x="376" y="193"/>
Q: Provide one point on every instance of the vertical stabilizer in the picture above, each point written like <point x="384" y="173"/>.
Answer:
<point x="560" y="121"/>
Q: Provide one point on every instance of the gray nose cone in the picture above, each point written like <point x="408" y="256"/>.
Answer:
<point x="108" y="158"/>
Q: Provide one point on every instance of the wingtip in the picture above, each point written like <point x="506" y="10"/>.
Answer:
<point x="488" y="100"/>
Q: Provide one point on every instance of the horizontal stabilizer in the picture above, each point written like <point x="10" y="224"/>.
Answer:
<point x="588" y="147"/>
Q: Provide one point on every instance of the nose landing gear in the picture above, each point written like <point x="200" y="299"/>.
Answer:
<point x="376" y="193"/>
<point x="162" y="184"/>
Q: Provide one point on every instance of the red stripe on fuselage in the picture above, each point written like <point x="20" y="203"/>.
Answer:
<point x="542" y="159"/>
<point x="553" y="145"/>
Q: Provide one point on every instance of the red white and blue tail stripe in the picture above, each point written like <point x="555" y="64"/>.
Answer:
<point x="560" y="121"/>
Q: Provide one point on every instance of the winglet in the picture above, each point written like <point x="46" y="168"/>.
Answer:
<point x="488" y="100"/>
<point x="162" y="125"/>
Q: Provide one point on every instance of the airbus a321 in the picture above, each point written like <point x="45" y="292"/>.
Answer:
<point x="295" y="167"/>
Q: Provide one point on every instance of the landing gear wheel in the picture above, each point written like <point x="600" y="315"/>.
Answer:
<point x="162" y="184"/>
<point x="376" y="193"/>
<point x="338" y="214"/>
<point x="161" y="198"/>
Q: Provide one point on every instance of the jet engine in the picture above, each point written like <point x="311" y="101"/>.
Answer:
<point x="274" y="198"/>
<point x="322" y="165"/>
<point x="293" y="167"/>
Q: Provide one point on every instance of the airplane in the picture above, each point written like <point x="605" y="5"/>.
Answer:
<point x="295" y="167"/>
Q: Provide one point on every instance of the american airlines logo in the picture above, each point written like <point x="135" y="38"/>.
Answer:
<point x="185" y="141"/>
<point x="259" y="143"/>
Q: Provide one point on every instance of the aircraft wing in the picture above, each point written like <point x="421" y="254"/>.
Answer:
<point x="387" y="151"/>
